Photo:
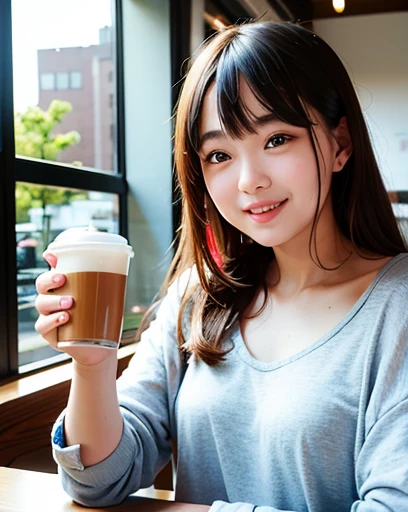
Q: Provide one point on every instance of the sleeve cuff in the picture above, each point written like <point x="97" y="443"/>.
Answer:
<point x="106" y="472"/>
<point x="68" y="457"/>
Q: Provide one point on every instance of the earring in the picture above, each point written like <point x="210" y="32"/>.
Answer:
<point x="212" y="246"/>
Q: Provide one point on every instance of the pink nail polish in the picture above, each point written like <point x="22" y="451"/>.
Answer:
<point x="66" y="302"/>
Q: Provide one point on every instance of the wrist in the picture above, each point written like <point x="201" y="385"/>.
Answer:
<point x="94" y="361"/>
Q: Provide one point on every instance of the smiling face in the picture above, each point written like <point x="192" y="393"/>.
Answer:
<point x="266" y="183"/>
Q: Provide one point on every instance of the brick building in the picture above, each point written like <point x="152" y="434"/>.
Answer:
<point x="84" y="76"/>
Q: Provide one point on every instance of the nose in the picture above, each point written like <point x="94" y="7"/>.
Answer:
<point x="253" y="177"/>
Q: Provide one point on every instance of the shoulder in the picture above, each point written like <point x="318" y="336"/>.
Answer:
<point x="158" y="341"/>
<point x="388" y="295"/>
<point x="186" y="281"/>
<point x="385" y="321"/>
<point x="170" y="303"/>
<point x="181" y="285"/>
<point x="392" y="280"/>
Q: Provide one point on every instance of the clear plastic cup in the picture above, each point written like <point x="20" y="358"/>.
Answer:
<point x="96" y="265"/>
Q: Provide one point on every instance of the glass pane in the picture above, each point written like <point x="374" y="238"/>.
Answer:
<point x="47" y="81"/>
<point x="76" y="80"/>
<point x="62" y="81"/>
<point x="41" y="214"/>
<point x="64" y="77"/>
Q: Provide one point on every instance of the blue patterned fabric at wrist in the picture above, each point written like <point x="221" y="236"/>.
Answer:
<point x="59" y="438"/>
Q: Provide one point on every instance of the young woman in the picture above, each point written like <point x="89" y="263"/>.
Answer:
<point x="276" y="361"/>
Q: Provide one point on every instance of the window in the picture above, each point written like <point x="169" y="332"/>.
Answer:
<point x="62" y="81"/>
<point x="50" y="189"/>
<point x="47" y="81"/>
<point x="76" y="80"/>
<point x="68" y="170"/>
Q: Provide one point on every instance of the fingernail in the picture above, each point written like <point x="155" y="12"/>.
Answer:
<point x="57" y="278"/>
<point x="62" y="317"/>
<point x="46" y="255"/>
<point x="66" y="302"/>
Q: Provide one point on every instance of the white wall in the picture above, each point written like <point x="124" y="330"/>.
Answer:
<point x="148" y="143"/>
<point x="374" y="50"/>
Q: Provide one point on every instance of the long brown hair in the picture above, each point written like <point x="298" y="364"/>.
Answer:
<point x="286" y="67"/>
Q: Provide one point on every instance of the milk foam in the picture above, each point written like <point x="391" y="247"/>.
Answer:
<point x="80" y="260"/>
<point x="90" y="250"/>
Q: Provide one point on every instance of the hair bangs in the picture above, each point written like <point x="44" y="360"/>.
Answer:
<point x="269" y="81"/>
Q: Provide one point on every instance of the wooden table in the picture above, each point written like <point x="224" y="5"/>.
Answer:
<point x="30" y="491"/>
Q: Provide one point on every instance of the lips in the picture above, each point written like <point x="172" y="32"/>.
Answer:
<point x="263" y="207"/>
<point x="264" y="213"/>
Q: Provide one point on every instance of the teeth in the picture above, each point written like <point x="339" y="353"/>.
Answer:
<point x="265" y="208"/>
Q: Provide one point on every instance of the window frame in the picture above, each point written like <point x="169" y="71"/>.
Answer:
<point x="15" y="169"/>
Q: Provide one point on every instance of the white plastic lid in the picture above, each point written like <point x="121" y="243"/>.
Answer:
<point x="74" y="237"/>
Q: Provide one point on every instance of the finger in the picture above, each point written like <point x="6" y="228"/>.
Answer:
<point x="50" y="258"/>
<point x="49" y="281"/>
<point x="47" y="304"/>
<point x="46" y="326"/>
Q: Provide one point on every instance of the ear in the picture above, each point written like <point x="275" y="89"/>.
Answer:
<point x="344" y="147"/>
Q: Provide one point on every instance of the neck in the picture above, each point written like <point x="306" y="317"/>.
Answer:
<point x="296" y="268"/>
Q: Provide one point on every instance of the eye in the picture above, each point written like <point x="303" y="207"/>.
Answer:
<point x="277" y="140"/>
<point x="217" y="157"/>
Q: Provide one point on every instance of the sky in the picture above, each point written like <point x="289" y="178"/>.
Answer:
<point x="41" y="24"/>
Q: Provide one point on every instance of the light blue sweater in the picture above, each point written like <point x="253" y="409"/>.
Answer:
<point x="325" y="430"/>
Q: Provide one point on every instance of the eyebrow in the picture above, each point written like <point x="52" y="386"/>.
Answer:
<point x="219" y="134"/>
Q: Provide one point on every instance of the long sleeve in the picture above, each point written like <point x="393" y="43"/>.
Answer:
<point x="146" y="392"/>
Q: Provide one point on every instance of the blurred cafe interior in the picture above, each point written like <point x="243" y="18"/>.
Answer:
<point x="87" y="92"/>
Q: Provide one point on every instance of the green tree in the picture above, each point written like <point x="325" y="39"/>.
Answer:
<point x="35" y="137"/>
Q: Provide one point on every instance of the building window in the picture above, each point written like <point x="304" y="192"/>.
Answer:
<point x="47" y="81"/>
<point x="62" y="81"/>
<point x="76" y="80"/>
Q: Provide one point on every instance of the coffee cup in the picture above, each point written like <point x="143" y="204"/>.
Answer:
<point x="96" y="265"/>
